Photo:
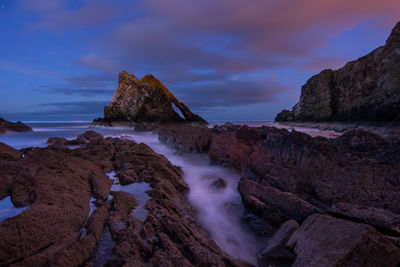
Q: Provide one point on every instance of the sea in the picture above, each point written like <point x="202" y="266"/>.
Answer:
<point x="220" y="212"/>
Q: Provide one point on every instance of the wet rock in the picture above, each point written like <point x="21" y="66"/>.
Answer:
<point x="56" y="141"/>
<point x="85" y="138"/>
<point x="258" y="224"/>
<point x="366" y="89"/>
<point x="275" y="252"/>
<point x="187" y="137"/>
<point x="218" y="184"/>
<point x="128" y="176"/>
<point x="6" y="126"/>
<point x="123" y="202"/>
<point x="326" y="241"/>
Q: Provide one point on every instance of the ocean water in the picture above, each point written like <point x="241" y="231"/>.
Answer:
<point x="219" y="209"/>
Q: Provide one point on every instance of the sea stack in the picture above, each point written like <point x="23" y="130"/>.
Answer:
<point x="365" y="90"/>
<point x="144" y="102"/>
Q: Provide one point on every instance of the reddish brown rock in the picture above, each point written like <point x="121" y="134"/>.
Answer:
<point x="144" y="104"/>
<point x="123" y="202"/>
<point x="57" y="183"/>
<point x="56" y="187"/>
<point x="9" y="153"/>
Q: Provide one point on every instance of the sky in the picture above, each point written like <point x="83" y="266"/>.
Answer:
<point x="228" y="60"/>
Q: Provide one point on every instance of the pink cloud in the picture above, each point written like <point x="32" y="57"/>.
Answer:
<point x="55" y="16"/>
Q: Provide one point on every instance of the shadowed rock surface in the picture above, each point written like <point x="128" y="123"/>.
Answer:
<point x="188" y="137"/>
<point x="308" y="175"/>
<point x="6" y="126"/>
<point x="144" y="104"/>
<point x="291" y="176"/>
<point x="317" y="240"/>
<point x="56" y="184"/>
<point x="367" y="89"/>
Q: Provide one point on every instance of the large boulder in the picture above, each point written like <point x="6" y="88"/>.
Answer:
<point x="275" y="252"/>
<point x="367" y="89"/>
<point x="326" y="241"/>
<point x="142" y="102"/>
<point x="6" y="126"/>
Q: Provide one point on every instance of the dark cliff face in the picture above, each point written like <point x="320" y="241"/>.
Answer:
<point x="367" y="89"/>
<point x="145" y="101"/>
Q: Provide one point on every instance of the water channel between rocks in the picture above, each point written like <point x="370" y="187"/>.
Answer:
<point x="213" y="193"/>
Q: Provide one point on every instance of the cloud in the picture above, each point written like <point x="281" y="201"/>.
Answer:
<point x="87" y="85"/>
<point x="195" y="47"/>
<point x="14" y="67"/>
<point x="60" y="111"/>
<point x="221" y="93"/>
<point x="95" y="61"/>
<point x="62" y="15"/>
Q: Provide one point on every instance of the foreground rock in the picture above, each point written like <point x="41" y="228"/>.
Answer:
<point x="292" y="176"/>
<point x="276" y="253"/>
<point x="358" y="168"/>
<point x="60" y="226"/>
<point x="145" y="104"/>
<point x="326" y="241"/>
<point x="367" y="89"/>
<point x="6" y="126"/>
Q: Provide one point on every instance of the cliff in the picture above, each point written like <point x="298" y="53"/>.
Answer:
<point x="367" y="89"/>
<point x="145" y="101"/>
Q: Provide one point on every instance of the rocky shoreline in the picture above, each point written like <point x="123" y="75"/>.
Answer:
<point x="328" y="185"/>
<point x="58" y="227"/>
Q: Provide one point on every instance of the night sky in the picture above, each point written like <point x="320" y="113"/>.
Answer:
<point x="236" y="60"/>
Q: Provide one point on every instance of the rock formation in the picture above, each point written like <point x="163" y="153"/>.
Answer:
<point x="350" y="183"/>
<point x="6" y="126"/>
<point x="59" y="227"/>
<point x="146" y="101"/>
<point x="367" y="89"/>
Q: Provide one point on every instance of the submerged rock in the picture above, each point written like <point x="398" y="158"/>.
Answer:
<point x="6" y="126"/>
<point x="144" y="104"/>
<point x="367" y="89"/>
